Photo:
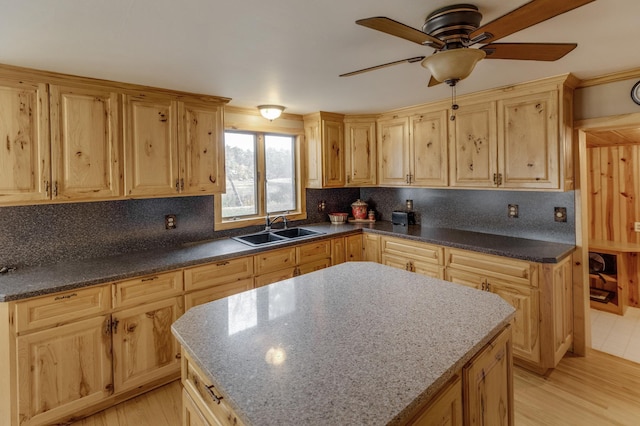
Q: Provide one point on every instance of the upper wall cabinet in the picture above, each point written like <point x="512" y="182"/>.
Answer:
<point x="24" y="153"/>
<point x="173" y="147"/>
<point x="325" y="150"/>
<point x="360" y="152"/>
<point x="413" y="150"/>
<point x="85" y="143"/>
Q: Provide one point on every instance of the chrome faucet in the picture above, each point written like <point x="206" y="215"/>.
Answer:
<point x="268" y="223"/>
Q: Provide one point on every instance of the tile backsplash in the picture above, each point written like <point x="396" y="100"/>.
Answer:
<point x="43" y="234"/>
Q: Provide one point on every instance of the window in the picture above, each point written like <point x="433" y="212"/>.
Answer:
<point x="261" y="177"/>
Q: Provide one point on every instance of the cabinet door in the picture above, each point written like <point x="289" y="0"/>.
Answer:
<point x="24" y="156"/>
<point x="528" y="148"/>
<point x="191" y="415"/>
<point x="85" y="143"/>
<point x="313" y="251"/>
<point x="525" y="327"/>
<point x="353" y="245"/>
<point x="63" y="369"/>
<point x="473" y="146"/>
<point x="314" y="151"/>
<point x="395" y="261"/>
<point x="488" y="384"/>
<point x="143" y="347"/>
<point x="202" y="140"/>
<point x="274" y="260"/>
<point x="360" y="153"/>
<point x="393" y="151"/>
<point x="371" y="248"/>
<point x="151" y="146"/>
<point x="338" y="251"/>
<point x="429" y="149"/>
<point x="443" y="410"/>
<point x="333" y="166"/>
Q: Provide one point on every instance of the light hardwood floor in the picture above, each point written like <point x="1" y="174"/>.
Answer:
<point x="599" y="389"/>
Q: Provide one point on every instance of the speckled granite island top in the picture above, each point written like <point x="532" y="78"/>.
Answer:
<point x="68" y="275"/>
<point x="361" y="343"/>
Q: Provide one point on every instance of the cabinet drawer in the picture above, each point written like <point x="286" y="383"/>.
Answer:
<point x="216" y="292"/>
<point x="420" y="267"/>
<point x="274" y="276"/>
<point x="218" y="273"/>
<point x="512" y="270"/>
<point x="207" y="398"/>
<point x="145" y="289"/>
<point x="423" y="252"/>
<point x="314" y="251"/>
<point x="60" y="308"/>
<point x="274" y="260"/>
<point x="316" y="265"/>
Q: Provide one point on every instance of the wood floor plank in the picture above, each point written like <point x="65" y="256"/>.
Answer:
<point x="598" y="389"/>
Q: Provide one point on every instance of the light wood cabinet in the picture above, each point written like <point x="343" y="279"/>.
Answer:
<point x="25" y="154"/>
<point x="371" y="247"/>
<point x="360" y="150"/>
<point x="414" y="256"/>
<point x="151" y="145"/>
<point x="325" y="150"/>
<point x="191" y="415"/>
<point x="276" y="265"/>
<point x="62" y="370"/>
<point x="214" y="281"/>
<point x="474" y="145"/>
<point x="346" y="249"/>
<point x="86" y="147"/>
<point x="143" y="347"/>
<point x="445" y="409"/>
<point x="488" y="384"/>
<point x="393" y="151"/>
<point x="142" y="290"/>
<point x="428" y="143"/>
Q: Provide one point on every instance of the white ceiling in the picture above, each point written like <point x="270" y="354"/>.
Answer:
<point x="291" y="52"/>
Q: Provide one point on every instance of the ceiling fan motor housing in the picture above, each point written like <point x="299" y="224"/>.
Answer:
<point x="453" y="24"/>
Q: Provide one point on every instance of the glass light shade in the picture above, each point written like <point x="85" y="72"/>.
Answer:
<point x="271" y="112"/>
<point x="454" y="64"/>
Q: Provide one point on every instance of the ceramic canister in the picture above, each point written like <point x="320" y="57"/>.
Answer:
<point x="359" y="209"/>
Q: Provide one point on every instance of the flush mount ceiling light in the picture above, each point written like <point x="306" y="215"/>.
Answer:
<point x="271" y="112"/>
<point x="451" y="66"/>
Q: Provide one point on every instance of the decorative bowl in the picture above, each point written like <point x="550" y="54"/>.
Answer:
<point x="338" y="218"/>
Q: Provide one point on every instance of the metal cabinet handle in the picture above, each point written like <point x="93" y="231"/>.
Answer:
<point x="215" y="397"/>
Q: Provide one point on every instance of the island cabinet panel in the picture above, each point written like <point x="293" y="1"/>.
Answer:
<point x="151" y="146"/>
<point x="208" y="400"/>
<point x="191" y="415"/>
<point x="528" y="141"/>
<point x="24" y="128"/>
<point x="488" y="384"/>
<point x="145" y="289"/>
<point x="201" y="134"/>
<point x="143" y="347"/>
<point x="61" y="308"/>
<point x="62" y="370"/>
<point x="445" y="409"/>
<point x="473" y="145"/>
<point x="86" y="145"/>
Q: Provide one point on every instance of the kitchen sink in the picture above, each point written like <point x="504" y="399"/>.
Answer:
<point x="275" y="237"/>
<point x="295" y="232"/>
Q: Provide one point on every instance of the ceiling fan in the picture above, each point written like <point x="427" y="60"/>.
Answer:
<point x="452" y="30"/>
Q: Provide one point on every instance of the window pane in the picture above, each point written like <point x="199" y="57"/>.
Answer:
<point x="280" y="168"/>
<point x="240" y="162"/>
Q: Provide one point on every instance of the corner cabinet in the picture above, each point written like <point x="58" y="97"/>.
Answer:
<point x="360" y="152"/>
<point x="324" y="133"/>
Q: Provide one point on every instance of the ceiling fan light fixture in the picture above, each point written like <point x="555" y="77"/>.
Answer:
<point x="270" y="112"/>
<point x="453" y="65"/>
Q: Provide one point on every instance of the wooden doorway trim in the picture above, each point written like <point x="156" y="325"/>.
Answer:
<point x="581" y="318"/>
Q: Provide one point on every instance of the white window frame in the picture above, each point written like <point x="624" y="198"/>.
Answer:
<point x="299" y="213"/>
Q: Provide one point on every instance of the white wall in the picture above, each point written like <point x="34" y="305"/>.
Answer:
<point x="605" y="100"/>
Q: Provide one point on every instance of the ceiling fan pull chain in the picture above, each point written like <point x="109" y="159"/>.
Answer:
<point x="454" y="105"/>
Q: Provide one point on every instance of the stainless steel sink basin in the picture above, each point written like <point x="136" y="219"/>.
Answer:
<point x="295" y="232"/>
<point x="275" y="237"/>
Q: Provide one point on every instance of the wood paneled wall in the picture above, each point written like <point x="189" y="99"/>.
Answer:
<point x="614" y="201"/>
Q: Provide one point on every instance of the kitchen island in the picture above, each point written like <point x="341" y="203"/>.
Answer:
<point x="357" y="343"/>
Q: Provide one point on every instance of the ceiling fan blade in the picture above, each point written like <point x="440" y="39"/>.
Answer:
<point x="395" y="28"/>
<point x="409" y="60"/>
<point x="528" y="51"/>
<point x="526" y="16"/>
<point x="433" y="82"/>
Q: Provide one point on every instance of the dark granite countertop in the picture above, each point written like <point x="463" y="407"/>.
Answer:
<point x="67" y="275"/>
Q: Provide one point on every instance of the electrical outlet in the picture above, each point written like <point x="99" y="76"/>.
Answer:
<point x="636" y="226"/>
<point x="560" y="214"/>
<point x="512" y="210"/>
<point x="170" y="221"/>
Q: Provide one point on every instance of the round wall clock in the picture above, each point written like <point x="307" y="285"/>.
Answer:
<point x="635" y="93"/>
